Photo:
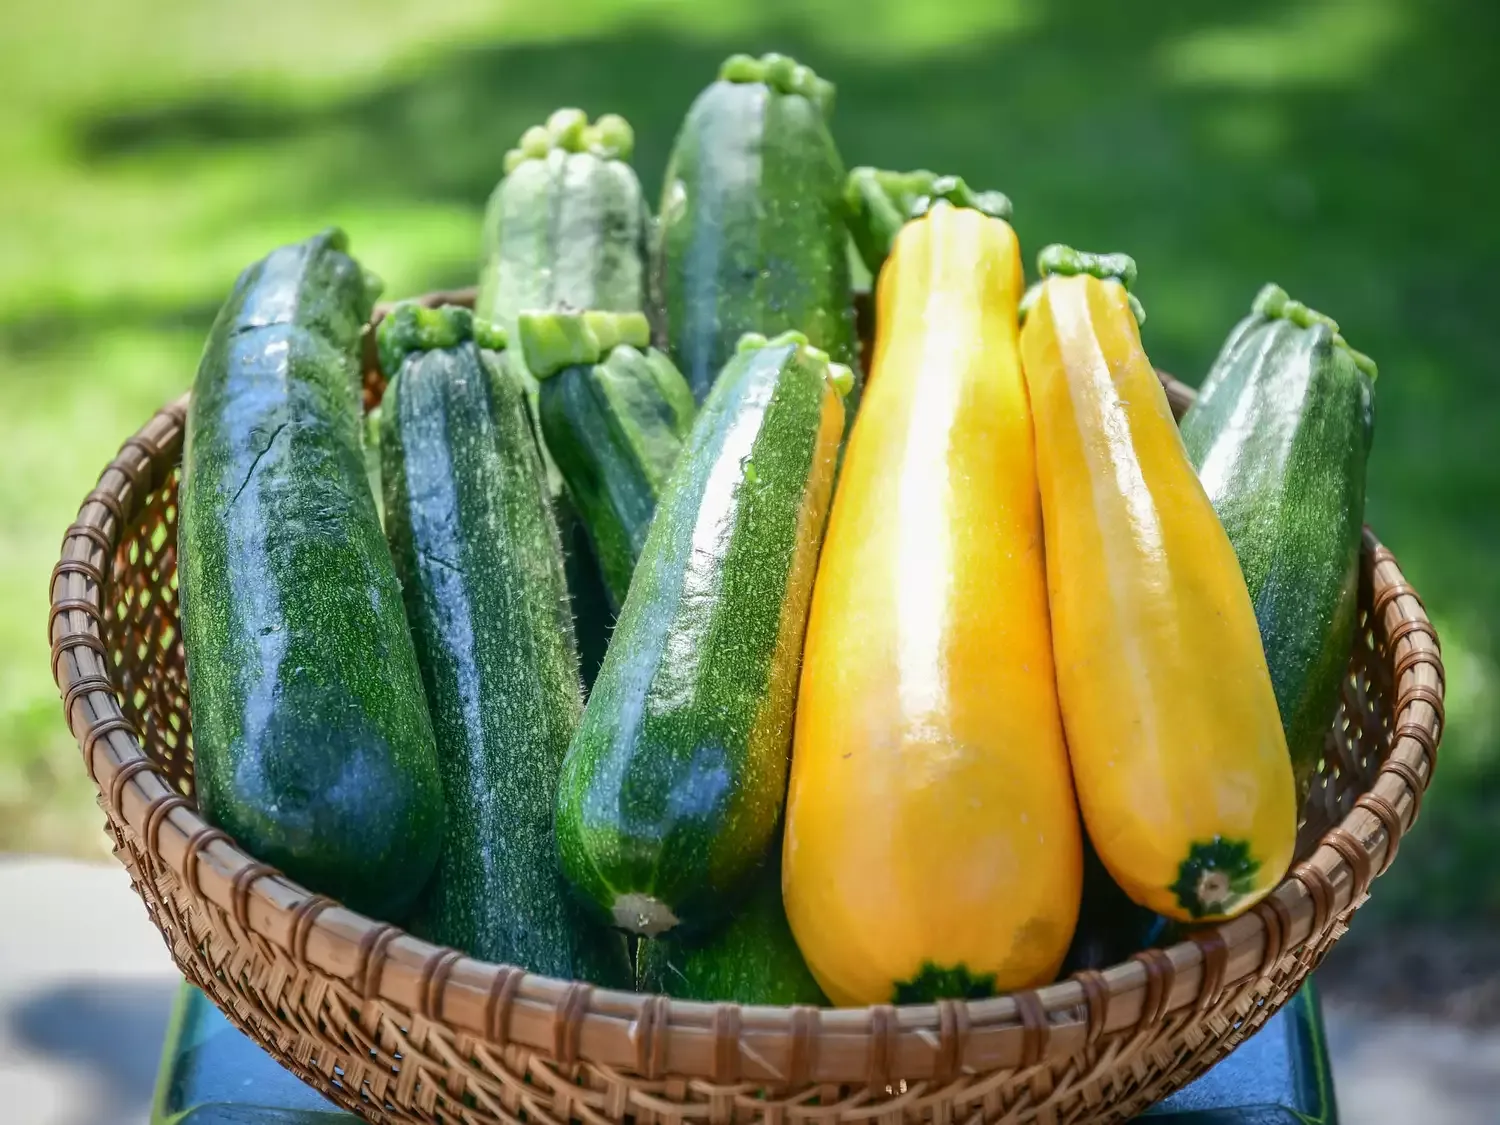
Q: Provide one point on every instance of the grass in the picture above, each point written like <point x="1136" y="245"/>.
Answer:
<point x="151" y="149"/>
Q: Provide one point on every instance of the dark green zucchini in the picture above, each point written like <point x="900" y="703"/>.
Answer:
<point x="751" y="959"/>
<point x="615" y="418"/>
<point x="481" y="569"/>
<point x="1110" y="926"/>
<point x="1280" y="434"/>
<point x="880" y="203"/>
<point x="751" y="231"/>
<point x="312" y="743"/>
<point x="675" y="780"/>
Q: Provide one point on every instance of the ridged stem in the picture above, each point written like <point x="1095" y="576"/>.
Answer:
<point x="839" y="376"/>
<point x="783" y="74"/>
<point x="610" y="137"/>
<point x="1273" y="303"/>
<point x="410" y="327"/>
<point x="552" y="340"/>
<point x="1058" y="260"/>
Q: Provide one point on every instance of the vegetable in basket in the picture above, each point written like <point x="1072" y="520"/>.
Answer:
<point x="312" y="743"/>
<point x="1280" y="433"/>
<point x="481" y="571"/>
<point x="932" y="841"/>
<point x="567" y="228"/>
<point x="615" y="417"/>
<point x="674" y="783"/>
<point x="751" y="233"/>
<point x="1177" y="749"/>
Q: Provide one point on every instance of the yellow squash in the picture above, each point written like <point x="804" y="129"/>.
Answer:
<point x="932" y="839"/>
<point x="1178" y="753"/>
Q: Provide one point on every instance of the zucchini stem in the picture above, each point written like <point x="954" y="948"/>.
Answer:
<point x="881" y="202"/>
<point x="1058" y="260"/>
<point x="410" y="327"/>
<point x="783" y="74"/>
<point x="840" y="376"/>
<point x="1273" y="303"/>
<point x="552" y="340"/>
<point x="568" y="131"/>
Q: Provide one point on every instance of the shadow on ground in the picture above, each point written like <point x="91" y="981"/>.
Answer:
<point x="109" y="1033"/>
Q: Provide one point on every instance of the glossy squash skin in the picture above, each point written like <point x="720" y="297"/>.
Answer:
<point x="1178" y="753"/>
<point x="932" y="841"/>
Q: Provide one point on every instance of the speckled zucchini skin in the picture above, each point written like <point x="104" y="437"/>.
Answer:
<point x="675" y="780"/>
<point x="481" y="570"/>
<point x="751" y="233"/>
<point x="1280" y="434"/>
<point x="751" y="959"/>
<point x="615" y="429"/>
<point x="312" y="742"/>
<point x="567" y="227"/>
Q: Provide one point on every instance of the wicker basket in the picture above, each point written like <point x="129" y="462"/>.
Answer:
<point x="399" y="1030"/>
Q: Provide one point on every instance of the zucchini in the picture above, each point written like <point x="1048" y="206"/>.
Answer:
<point x="932" y="841"/>
<point x="1280" y="435"/>
<point x="674" y="782"/>
<point x="751" y="229"/>
<point x="751" y="959"/>
<point x="1178" y="755"/>
<point x="312" y="743"/>
<point x="615" y="419"/>
<point x="481" y="570"/>
<point x="567" y="228"/>
<point x="880" y="203"/>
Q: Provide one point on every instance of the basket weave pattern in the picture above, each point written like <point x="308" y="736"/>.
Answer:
<point x="399" y="1030"/>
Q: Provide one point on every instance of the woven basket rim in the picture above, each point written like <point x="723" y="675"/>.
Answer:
<point x="653" y="1035"/>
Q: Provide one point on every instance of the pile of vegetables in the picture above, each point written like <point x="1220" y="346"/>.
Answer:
<point x="935" y="679"/>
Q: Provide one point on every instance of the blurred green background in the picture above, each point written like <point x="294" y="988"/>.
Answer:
<point x="150" y="149"/>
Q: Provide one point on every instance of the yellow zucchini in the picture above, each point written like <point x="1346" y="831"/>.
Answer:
<point x="1178" y="753"/>
<point x="932" y="840"/>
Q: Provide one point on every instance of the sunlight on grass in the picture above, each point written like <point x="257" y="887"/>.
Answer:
<point x="1332" y="43"/>
<point x="1471" y="741"/>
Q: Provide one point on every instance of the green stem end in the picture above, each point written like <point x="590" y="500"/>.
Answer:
<point x="840" y="376"/>
<point x="783" y="74"/>
<point x="1058" y="260"/>
<point x="880" y="202"/>
<point x="551" y="341"/>
<point x="410" y="328"/>
<point x="1273" y="303"/>
<point x="568" y="130"/>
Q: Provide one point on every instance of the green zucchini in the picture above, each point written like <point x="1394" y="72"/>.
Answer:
<point x="751" y="230"/>
<point x="1280" y="435"/>
<point x="312" y="743"/>
<point x="751" y="959"/>
<point x="481" y="569"/>
<point x="675" y="780"/>
<point x="567" y="228"/>
<point x="880" y="203"/>
<point x="615" y="419"/>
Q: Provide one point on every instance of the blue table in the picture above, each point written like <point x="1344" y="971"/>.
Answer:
<point x="212" y="1074"/>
